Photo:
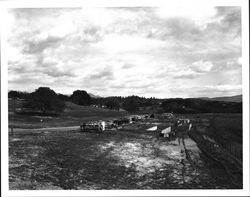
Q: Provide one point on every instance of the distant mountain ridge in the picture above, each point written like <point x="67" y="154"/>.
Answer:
<point x="93" y="96"/>
<point x="236" y="98"/>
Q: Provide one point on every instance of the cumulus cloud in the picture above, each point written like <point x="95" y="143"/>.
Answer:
<point x="201" y="16"/>
<point x="208" y="90"/>
<point x="136" y="50"/>
<point x="127" y="66"/>
<point x="37" y="45"/>
<point x="100" y="75"/>
<point x="201" y="67"/>
<point x="188" y="74"/>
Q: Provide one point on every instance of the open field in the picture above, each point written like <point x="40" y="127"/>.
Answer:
<point x="226" y="129"/>
<point x="124" y="160"/>
<point x="73" y="115"/>
<point x="121" y="159"/>
<point x="128" y="158"/>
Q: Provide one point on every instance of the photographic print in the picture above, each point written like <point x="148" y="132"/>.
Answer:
<point x="125" y="98"/>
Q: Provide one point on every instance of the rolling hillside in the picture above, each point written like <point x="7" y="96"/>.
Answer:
<point x="73" y="115"/>
<point x="237" y="98"/>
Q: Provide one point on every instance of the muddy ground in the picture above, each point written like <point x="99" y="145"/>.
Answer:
<point x="123" y="159"/>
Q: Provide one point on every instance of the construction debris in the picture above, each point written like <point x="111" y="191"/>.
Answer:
<point x="135" y="122"/>
<point x="166" y="132"/>
<point x="190" y="126"/>
<point x="154" y="128"/>
<point x="96" y="125"/>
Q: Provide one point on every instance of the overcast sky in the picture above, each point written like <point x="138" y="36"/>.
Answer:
<point x="160" y="52"/>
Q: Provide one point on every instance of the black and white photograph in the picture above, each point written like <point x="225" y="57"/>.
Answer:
<point x="129" y="98"/>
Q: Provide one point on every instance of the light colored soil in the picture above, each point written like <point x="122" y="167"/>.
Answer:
<point x="69" y="159"/>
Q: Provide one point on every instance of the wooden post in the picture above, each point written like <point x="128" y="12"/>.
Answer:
<point x="11" y="130"/>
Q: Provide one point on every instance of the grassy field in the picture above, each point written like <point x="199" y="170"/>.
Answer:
<point x="226" y="129"/>
<point x="73" y="115"/>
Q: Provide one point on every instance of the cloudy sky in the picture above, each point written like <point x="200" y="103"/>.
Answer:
<point x="162" y="52"/>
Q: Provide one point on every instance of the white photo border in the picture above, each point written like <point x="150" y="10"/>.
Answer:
<point x="4" y="5"/>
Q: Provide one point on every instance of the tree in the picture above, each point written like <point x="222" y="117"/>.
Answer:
<point x="45" y="99"/>
<point x="131" y="104"/>
<point x="13" y="94"/>
<point x="81" y="97"/>
<point x="113" y="104"/>
<point x="200" y="106"/>
<point x="64" y="97"/>
<point x="18" y="94"/>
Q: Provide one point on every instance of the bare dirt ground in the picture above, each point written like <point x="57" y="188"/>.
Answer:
<point x="139" y="159"/>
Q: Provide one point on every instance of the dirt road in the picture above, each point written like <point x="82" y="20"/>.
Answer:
<point x="18" y="130"/>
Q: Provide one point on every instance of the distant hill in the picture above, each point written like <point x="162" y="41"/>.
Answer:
<point x="93" y="96"/>
<point x="237" y="98"/>
<point x="197" y="105"/>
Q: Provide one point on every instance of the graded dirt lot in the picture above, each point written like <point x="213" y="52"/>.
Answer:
<point x="122" y="159"/>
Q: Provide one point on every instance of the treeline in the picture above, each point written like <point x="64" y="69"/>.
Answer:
<point x="45" y="99"/>
<point x="130" y="103"/>
<point x="193" y="106"/>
